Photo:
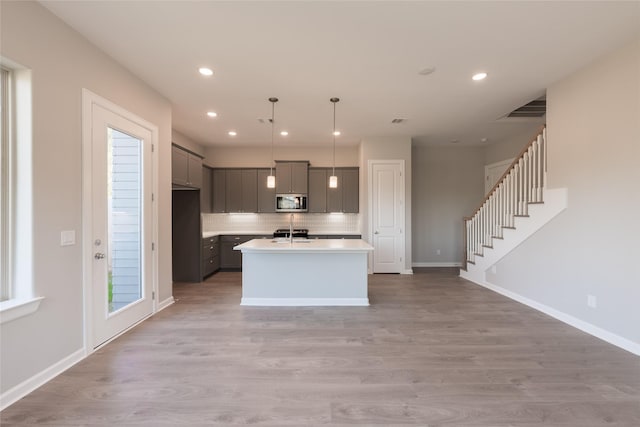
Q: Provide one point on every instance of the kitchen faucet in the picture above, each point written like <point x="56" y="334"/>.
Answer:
<point x="291" y="228"/>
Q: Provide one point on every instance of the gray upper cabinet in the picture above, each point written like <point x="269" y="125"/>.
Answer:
<point x="350" y="190"/>
<point x="186" y="168"/>
<point x="241" y="191"/>
<point x="292" y="177"/>
<point x="205" y="190"/>
<point x="266" y="196"/>
<point x="346" y="197"/>
<point x="218" y="194"/>
<point x="318" y="183"/>
<point x="249" y="191"/>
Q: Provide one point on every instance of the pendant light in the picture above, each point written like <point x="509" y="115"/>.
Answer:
<point x="333" y="179"/>
<point x="271" y="179"/>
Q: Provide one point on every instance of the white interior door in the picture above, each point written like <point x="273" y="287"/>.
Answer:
<point x="387" y="219"/>
<point x="493" y="172"/>
<point x="120" y="251"/>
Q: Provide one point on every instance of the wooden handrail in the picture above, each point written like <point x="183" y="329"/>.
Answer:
<point x="504" y="175"/>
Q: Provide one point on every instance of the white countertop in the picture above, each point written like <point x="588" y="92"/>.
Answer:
<point x="304" y="245"/>
<point x="206" y="234"/>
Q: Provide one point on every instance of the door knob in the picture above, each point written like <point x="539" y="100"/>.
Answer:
<point x="376" y="233"/>
<point x="98" y="255"/>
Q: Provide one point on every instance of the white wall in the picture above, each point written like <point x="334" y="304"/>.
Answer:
<point x="63" y="63"/>
<point x="391" y="148"/>
<point x="511" y="147"/>
<point x="186" y="142"/>
<point x="592" y="248"/>
<point x="447" y="186"/>
<point x="261" y="156"/>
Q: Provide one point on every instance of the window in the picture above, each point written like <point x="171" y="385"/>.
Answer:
<point x="16" y="245"/>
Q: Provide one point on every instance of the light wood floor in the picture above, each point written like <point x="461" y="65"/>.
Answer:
<point x="431" y="350"/>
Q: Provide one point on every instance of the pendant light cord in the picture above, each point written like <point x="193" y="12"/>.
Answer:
<point x="334" y="137"/>
<point x="273" y="115"/>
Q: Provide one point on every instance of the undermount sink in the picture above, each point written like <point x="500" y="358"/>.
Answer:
<point x="287" y="240"/>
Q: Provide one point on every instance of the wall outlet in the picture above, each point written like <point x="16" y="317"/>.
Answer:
<point x="67" y="238"/>
<point x="592" y="301"/>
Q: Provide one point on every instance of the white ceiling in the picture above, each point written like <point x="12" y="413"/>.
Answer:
<point x="366" y="53"/>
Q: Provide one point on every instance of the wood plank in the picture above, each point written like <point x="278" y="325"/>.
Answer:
<point x="432" y="349"/>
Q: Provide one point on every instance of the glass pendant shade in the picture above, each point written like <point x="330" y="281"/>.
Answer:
<point x="271" y="181"/>
<point x="333" y="181"/>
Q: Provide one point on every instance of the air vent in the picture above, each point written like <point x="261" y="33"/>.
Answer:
<point x="536" y="108"/>
<point x="263" y="121"/>
<point x="398" y="121"/>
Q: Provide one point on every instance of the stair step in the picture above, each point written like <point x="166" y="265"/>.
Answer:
<point x="477" y="254"/>
<point x="521" y="216"/>
<point x="487" y="246"/>
<point x="497" y="237"/>
<point x="508" y="227"/>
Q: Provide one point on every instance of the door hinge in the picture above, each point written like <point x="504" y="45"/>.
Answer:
<point x="153" y="197"/>
<point x="153" y="148"/>
<point x="153" y="295"/>
<point x="153" y="246"/>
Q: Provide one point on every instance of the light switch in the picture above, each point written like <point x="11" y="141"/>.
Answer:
<point x="67" y="237"/>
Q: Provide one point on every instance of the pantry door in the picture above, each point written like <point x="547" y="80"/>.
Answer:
<point x="119" y="251"/>
<point x="387" y="210"/>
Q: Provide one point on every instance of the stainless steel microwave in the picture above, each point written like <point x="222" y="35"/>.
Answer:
<point x="291" y="203"/>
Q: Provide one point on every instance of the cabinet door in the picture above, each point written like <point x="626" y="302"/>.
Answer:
<point x="219" y="187"/>
<point x="195" y="171"/>
<point x="266" y="196"/>
<point x="249" y="190"/>
<point x="179" y="166"/>
<point x="233" y="190"/>
<point x="283" y="178"/>
<point x="334" y="195"/>
<point x="350" y="191"/>
<point x="318" y="183"/>
<point x="205" y="190"/>
<point x="299" y="178"/>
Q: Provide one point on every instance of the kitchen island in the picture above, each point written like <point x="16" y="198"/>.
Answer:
<point x="303" y="272"/>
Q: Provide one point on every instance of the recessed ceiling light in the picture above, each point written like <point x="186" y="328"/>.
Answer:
<point x="479" y="76"/>
<point x="212" y="114"/>
<point x="232" y="133"/>
<point x="284" y="133"/>
<point x="336" y="133"/>
<point x="483" y="139"/>
<point x="205" y="71"/>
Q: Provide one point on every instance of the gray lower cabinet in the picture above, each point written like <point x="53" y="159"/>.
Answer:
<point x="266" y="196"/>
<point x="206" y="205"/>
<point x="210" y="255"/>
<point x="231" y="259"/>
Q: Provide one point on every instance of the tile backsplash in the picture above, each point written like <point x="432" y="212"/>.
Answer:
<point x="261" y="223"/>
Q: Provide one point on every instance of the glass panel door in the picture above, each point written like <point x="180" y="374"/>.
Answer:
<point x="124" y="164"/>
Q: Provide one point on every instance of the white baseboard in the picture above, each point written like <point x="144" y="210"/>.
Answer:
<point x="164" y="304"/>
<point x="407" y="271"/>
<point x="21" y="390"/>
<point x="437" y="264"/>
<point x="304" y="302"/>
<point x="590" y="329"/>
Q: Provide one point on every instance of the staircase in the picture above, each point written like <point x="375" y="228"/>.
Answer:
<point x="516" y="207"/>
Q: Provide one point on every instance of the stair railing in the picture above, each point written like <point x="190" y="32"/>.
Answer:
<point x="521" y="184"/>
